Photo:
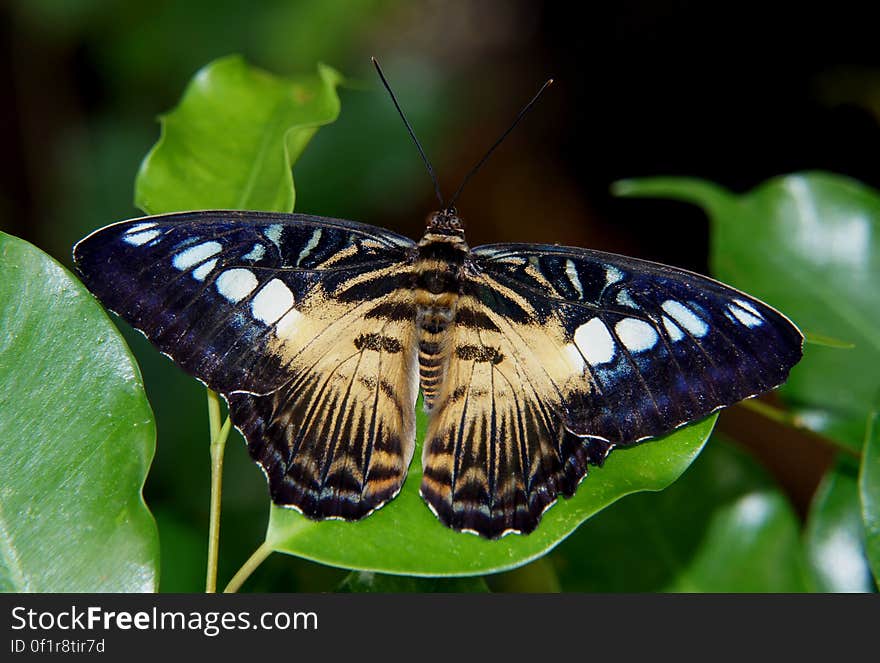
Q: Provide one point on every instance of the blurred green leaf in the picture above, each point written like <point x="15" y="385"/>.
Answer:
<point x="365" y="581"/>
<point x="76" y="438"/>
<point x="723" y="527"/>
<point x="835" y="536"/>
<point x="404" y="537"/>
<point x="289" y="35"/>
<point x="751" y="545"/>
<point x="381" y="176"/>
<point x="183" y="550"/>
<point x="231" y="141"/>
<point x="809" y="245"/>
<point x="869" y="492"/>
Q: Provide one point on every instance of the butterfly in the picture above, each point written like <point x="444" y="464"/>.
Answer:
<point x="534" y="361"/>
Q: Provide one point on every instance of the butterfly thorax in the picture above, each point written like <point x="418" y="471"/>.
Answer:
<point x="441" y="256"/>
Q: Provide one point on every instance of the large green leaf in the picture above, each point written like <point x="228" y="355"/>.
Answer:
<point x="808" y="244"/>
<point x="835" y="536"/>
<point x="76" y="438"/>
<point x="869" y="492"/>
<point x="723" y="527"/>
<point x="405" y="538"/>
<point x="231" y="141"/>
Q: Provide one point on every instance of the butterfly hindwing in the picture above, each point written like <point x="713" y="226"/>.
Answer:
<point x="336" y="440"/>
<point x="304" y="324"/>
<point x="569" y="353"/>
<point x="495" y="456"/>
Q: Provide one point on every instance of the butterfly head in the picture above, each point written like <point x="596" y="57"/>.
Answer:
<point x="446" y="222"/>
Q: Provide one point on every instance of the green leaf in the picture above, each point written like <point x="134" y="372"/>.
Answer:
<point x="869" y="492"/>
<point x="808" y="244"/>
<point x="183" y="547"/>
<point x="835" y="536"/>
<point x="366" y="581"/>
<point x="76" y="438"/>
<point x="723" y="527"/>
<point x="231" y="141"/>
<point x="404" y="537"/>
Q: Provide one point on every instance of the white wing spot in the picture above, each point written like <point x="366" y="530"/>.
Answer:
<point x="571" y="272"/>
<point x="196" y="254"/>
<point x="310" y="246"/>
<point x="625" y="299"/>
<point x="744" y="316"/>
<point x="748" y="307"/>
<point x="686" y="318"/>
<point x="273" y="234"/>
<point x="595" y="342"/>
<point x="236" y="284"/>
<point x="200" y="272"/>
<point x="141" y="238"/>
<point x="675" y="334"/>
<point x="636" y="335"/>
<point x="612" y="275"/>
<point x="272" y="301"/>
<point x="256" y="253"/>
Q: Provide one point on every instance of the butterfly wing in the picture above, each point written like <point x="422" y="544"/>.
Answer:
<point x="306" y="326"/>
<point x="586" y="351"/>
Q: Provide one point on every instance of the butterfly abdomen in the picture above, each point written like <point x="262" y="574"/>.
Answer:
<point x="437" y="283"/>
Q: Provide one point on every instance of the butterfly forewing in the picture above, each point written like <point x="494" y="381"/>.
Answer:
<point x="212" y="289"/>
<point x="661" y="346"/>
<point x="296" y="320"/>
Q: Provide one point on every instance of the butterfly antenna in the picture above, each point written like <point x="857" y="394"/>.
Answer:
<point x="412" y="133"/>
<point x="498" y="142"/>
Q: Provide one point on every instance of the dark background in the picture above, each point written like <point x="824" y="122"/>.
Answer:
<point x="732" y="92"/>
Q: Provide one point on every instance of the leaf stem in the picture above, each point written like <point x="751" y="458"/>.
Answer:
<point x="219" y="435"/>
<point x="213" y="414"/>
<point x="257" y="558"/>
<point x="788" y="419"/>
